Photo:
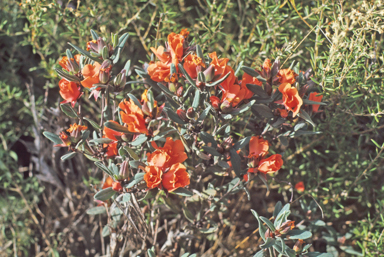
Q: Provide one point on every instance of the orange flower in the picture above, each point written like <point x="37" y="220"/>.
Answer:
<point x="271" y="164"/>
<point x="215" y="102"/>
<point x="300" y="187"/>
<point x="69" y="91"/>
<point x="248" y="79"/>
<point x="291" y="99"/>
<point x="108" y="183"/>
<point x="176" y="177"/>
<point x="133" y="116"/>
<point x="191" y="62"/>
<point x="184" y="33"/>
<point x="172" y="152"/>
<point x="74" y="127"/>
<point x="109" y="133"/>
<point x="175" y="42"/>
<point x="161" y="54"/>
<point x="235" y="94"/>
<point x="246" y="177"/>
<point x="267" y="64"/>
<point x="258" y="147"/>
<point x="116" y="186"/>
<point x="111" y="150"/>
<point x="153" y="176"/>
<point x="286" y="76"/>
<point x="221" y="69"/>
<point x="313" y="97"/>
<point x="283" y="113"/>
<point x="65" y="63"/>
<point x="91" y="75"/>
<point x="159" y="71"/>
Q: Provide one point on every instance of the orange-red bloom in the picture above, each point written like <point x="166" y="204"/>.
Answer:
<point x="70" y="91"/>
<point x="108" y="183"/>
<point x="267" y="65"/>
<point x="283" y="113"/>
<point x="91" y="75"/>
<point x="287" y="76"/>
<point x="176" y="177"/>
<point x="313" y="97"/>
<point x="109" y="133"/>
<point x="248" y="79"/>
<point x="258" y="146"/>
<point x="222" y="69"/>
<point x="172" y="152"/>
<point x="161" y="54"/>
<point x="111" y="150"/>
<point x="159" y="71"/>
<point x="191" y="62"/>
<point x="116" y="186"/>
<point x="215" y="102"/>
<point x="175" y="42"/>
<point x="271" y="164"/>
<point x="133" y="116"/>
<point x="74" y="127"/>
<point x="184" y="33"/>
<point x="291" y="99"/>
<point x="235" y="94"/>
<point x="153" y="176"/>
<point x="300" y="187"/>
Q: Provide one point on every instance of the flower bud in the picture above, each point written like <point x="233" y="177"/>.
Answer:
<point x="286" y="227"/>
<point x="105" y="52"/>
<point x="267" y="233"/>
<point x="182" y="114"/>
<point x="116" y="186"/>
<point x="104" y="71"/>
<point x="172" y="87"/>
<point x="145" y="109"/>
<point x="298" y="246"/>
<point x="124" y="170"/>
<point x="227" y="144"/>
<point x="209" y="73"/>
<point x="191" y="113"/>
<point x="179" y="91"/>
<point x="64" y="138"/>
<point x="73" y="66"/>
<point x="120" y="79"/>
<point x="226" y="107"/>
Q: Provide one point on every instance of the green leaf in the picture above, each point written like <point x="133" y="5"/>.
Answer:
<point x="277" y="209"/>
<point x="151" y="253"/>
<point x="188" y="214"/>
<point x="101" y="166"/>
<point x="218" y="81"/>
<point x="268" y="243"/>
<point x="242" y="143"/>
<point x="126" y="198"/>
<point x="117" y="127"/>
<point x="236" y="161"/>
<point x="196" y="99"/>
<point x="306" y="101"/>
<point x="258" y="90"/>
<point x="304" y="115"/>
<point x="253" y="73"/>
<point x="96" y="210"/>
<point x="122" y="40"/>
<point x="94" y="35"/>
<point x="139" y="140"/>
<point x="68" y="156"/>
<point x="68" y="110"/>
<point x="132" y="153"/>
<point x="262" y="229"/>
<point x="53" y="137"/>
<point x="204" y="114"/>
<point x="289" y="252"/>
<point x="105" y="231"/>
<point x="269" y="223"/>
<point x="208" y="138"/>
<point x="350" y="250"/>
<point x="163" y="134"/>
<point x="243" y="108"/>
<point x="104" y="194"/>
<point x="101" y="141"/>
<point x="173" y="116"/>
<point x="299" y="234"/>
<point x="67" y="76"/>
<point x="182" y="191"/>
<point x="261" y="253"/>
<point x="181" y="68"/>
<point x="81" y="51"/>
<point x="264" y="181"/>
<point x="317" y="254"/>
<point x="200" y="53"/>
<point x="127" y="66"/>
<point x="165" y="89"/>
<point x="135" y="100"/>
<point x="94" y="124"/>
<point x="211" y="150"/>
<point x="136" y="179"/>
<point x="263" y="110"/>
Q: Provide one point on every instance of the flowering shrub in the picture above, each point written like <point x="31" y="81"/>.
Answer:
<point x="196" y="117"/>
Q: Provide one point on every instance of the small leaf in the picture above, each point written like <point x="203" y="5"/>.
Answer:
<point x="277" y="209"/>
<point x="196" y="99"/>
<point x="68" y="110"/>
<point x="104" y="194"/>
<point x="263" y="110"/>
<point x="200" y="53"/>
<point x="105" y="231"/>
<point x="303" y="114"/>
<point x="181" y="68"/>
<point x="67" y="76"/>
<point x="101" y="141"/>
<point x="262" y="229"/>
<point x="218" y="81"/>
<point x="139" y="140"/>
<point x="261" y="253"/>
<point x="299" y="234"/>
<point x="208" y="138"/>
<point x="136" y="179"/>
<point x="53" y="137"/>
<point x="117" y="127"/>
<point x="81" y="51"/>
<point x="242" y="143"/>
<point x="94" y="124"/>
<point x="151" y="253"/>
<point x="268" y="243"/>
<point x="188" y="214"/>
<point x="306" y="101"/>
<point x="182" y="191"/>
<point x="211" y="150"/>
<point x="268" y="222"/>
<point x="94" y="35"/>
<point x="253" y="73"/>
<point x="243" y="108"/>
<point x="236" y="161"/>
<point x="96" y="210"/>
<point x="68" y="156"/>
<point x="135" y="100"/>
<point x="104" y="168"/>
<point x="165" y="89"/>
<point x="204" y="114"/>
<point x="127" y="66"/>
<point x="135" y="164"/>
<point x="132" y="153"/>
<point x="173" y="116"/>
<point x="258" y="90"/>
<point x="350" y="250"/>
<point x="317" y="254"/>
